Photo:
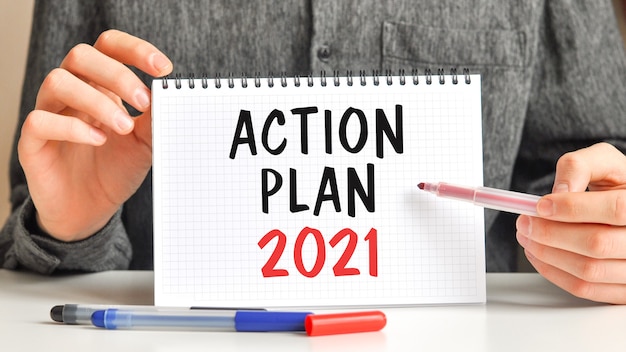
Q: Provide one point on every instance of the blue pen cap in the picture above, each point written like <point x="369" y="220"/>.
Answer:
<point x="270" y="321"/>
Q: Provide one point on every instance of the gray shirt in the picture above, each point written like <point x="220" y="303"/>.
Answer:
<point x="552" y="82"/>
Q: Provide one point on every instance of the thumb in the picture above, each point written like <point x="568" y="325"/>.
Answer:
<point x="598" y="167"/>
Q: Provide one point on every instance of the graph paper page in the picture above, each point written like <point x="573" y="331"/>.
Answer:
<point x="291" y="196"/>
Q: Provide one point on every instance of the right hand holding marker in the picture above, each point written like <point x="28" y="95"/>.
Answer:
<point x="82" y="154"/>
<point x="579" y="240"/>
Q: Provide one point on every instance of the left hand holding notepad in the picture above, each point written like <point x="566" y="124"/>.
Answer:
<point x="579" y="242"/>
<point x="81" y="151"/>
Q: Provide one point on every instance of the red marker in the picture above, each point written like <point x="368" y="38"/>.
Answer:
<point x="492" y="198"/>
<point x="344" y="323"/>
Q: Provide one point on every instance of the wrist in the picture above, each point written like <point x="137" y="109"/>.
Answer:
<point x="65" y="230"/>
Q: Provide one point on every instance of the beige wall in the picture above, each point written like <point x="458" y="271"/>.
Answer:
<point x="15" y="21"/>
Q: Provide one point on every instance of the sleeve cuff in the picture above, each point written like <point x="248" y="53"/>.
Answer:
<point x="108" y="249"/>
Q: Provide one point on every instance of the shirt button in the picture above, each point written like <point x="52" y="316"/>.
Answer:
<point x="323" y="53"/>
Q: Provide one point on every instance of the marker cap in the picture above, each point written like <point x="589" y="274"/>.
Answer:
<point x="270" y="321"/>
<point x="344" y="323"/>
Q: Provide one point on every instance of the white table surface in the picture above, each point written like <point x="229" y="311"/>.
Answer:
<point x="524" y="312"/>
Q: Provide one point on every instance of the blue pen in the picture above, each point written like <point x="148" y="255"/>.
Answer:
<point x="203" y="320"/>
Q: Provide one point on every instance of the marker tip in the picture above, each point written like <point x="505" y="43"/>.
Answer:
<point x="56" y="313"/>
<point x="420" y="185"/>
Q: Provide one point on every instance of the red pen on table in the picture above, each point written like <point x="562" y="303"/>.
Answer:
<point x="492" y="198"/>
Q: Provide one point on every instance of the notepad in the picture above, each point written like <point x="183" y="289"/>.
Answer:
<point x="302" y="191"/>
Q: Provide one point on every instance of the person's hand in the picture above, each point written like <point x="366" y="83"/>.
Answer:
<point x="82" y="154"/>
<point x="579" y="240"/>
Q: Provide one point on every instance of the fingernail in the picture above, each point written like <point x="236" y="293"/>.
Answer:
<point x="160" y="62"/>
<point x="523" y="225"/>
<point x="545" y="207"/>
<point x="521" y="239"/>
<point x="97" y="136"/>
<point x="142" y="98"/>
<point x="560" y="188"/>
<point x="123" y="121"/>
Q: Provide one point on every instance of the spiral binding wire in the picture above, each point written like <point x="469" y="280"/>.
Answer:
<point x="388" y="78"/>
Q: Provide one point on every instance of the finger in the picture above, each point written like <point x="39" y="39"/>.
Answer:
<point x="92" y="65"/>
<point x="591" y="240"/>
<point x="583" y="267"/>
<point x="600" y="165"/>
<point x="602" y="207"/>
<point x="600" y="292"/>
<point x="41" y="126"/>
<point x="61" y="89"/>
<point x="143" y="128"/>
<point x="134" y="51"/>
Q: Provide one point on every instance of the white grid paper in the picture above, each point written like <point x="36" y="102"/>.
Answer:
<point x="208" y="217"/>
